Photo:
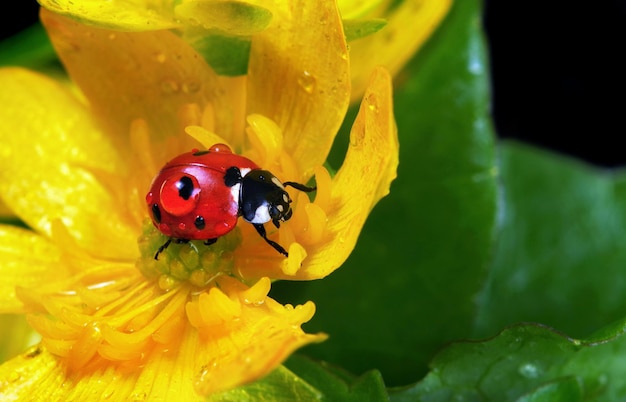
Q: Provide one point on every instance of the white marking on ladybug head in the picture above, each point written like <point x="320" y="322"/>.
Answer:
<point x="262" y="214"/>
<point x="277" y="182"/>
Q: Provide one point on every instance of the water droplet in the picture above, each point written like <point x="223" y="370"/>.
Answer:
<point x="160" y="57"/>
<point x="138" y="396"/>
<point x="191" y="87"/>
<point x="14" y="376"/>
<point x="529" y="370"/>
<point x="307" y="82"/>
<point x="170" y="87"/>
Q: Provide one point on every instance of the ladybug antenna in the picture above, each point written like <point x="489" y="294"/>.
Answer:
<point x="299" y="186"/>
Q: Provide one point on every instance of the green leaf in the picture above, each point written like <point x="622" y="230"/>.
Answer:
<point x="560" y="255"/>
<point x="302" y="379"/>
<point x="561" y="390"/>
<point x="357" y="29"/>
<point x="29" y="48"/>
<point x="221" y="30"/>
<point x="336" y="384"/>
<point x="409" y="286"/>
<point x="529" y="362"/>
<point x="280" y="385"/>
<point x="227" y="55"/>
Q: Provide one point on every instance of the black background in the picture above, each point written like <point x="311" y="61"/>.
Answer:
<point x="557" y="67"/>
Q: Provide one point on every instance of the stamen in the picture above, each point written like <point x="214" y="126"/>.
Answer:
<point x="266" y="138"/>
<point x="297" y="254"/>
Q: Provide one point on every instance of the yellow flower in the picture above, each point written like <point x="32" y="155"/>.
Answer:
<point x="401" y="28"/>
<point x="75" y="166"/>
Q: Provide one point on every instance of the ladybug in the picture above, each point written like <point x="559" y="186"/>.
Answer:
<point x="200" y="195"/>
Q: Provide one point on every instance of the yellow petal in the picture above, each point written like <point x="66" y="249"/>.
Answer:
<point x="410" y="24"/>
<point x="28" y="260"/>
<point x="48" y="145"/>
<point x="364" y="178"/>
<point x="5" y="212"/>
<point x="298" y="77"/>
<point x="130" y="75"/>
<point x="261" y="337"/>
<point x="359" y="8"/>
<point x="122" y="15"/>
<point x="182" y="363"/>
<point x="231" y="17"/>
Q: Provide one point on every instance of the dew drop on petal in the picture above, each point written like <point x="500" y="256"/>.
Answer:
<point x="160" y="57"/>
<point x="307" y="82"/>
<point x="138" y="396"/>
<point x="169" y="87"/>
<point x="191" y="87"/>
<point x="14" y="376"/>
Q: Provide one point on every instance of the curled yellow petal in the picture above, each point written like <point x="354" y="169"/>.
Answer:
<point x="322" y="234"/>
<point x="298" y="77"/>
<point x="364" y="178"/>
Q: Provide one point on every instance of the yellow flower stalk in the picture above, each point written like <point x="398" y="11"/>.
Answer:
<point x="76" y="160"/>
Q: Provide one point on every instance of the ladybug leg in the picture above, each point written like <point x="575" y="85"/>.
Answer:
<point x="208" y="242"/>
<point x="163" y="247"/>
<point x="187" y="241"/>
<point x="261" y="230"/>
<point x="299" y="186"/>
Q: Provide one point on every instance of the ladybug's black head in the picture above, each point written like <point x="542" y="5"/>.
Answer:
<point x="263" y="198"/>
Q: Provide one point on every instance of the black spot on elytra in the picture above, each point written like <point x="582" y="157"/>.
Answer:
<point x="232" y="176"/>
<point x="199" y="223"/>
<point x="156" y="213"/>
<point x="185" y="187"/>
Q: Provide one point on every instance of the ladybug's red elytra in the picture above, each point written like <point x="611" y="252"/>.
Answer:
<point x="199" y="195"/>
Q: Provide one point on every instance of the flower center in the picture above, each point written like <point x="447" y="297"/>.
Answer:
<point x="191" y="261"/>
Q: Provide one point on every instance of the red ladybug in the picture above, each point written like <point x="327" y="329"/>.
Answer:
<point x="199" y="195"/>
